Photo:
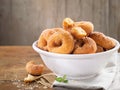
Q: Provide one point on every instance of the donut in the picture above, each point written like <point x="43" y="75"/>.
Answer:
<point x="61" y="42"/>
<point x="68" y="24"/>
<point x="85" y="25"/>
<point x="99" y="49"/>
<point x="78" y="32"/>
<point x="85" y="46"/>
<point x="78" y="43"/>
<point x="42" y="41"/>
<point x="102" y="40"/>
<point x="33" y="68"/>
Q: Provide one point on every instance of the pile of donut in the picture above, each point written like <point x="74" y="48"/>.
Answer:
<point x="74" y="38"/>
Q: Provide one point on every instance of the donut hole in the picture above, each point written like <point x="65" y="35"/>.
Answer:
<point x="87" y="45"/>
<point x="80" y="43"/>
<point x="57" y="43"/>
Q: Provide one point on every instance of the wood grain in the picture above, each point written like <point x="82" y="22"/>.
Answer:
<point x="22" y="21"/>
<point x="114" y="19"/>
<point x="13" y="60"/>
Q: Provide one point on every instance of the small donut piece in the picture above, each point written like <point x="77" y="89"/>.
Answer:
<point x="86" y="46"/>
<point x="99" y="49"/>
<point x="61" y="42"/>
<point x="78" y="32"/>
<point x="68" y="24"/>
<point x="42" y="41"/>
<point x="102" y="40"/>
<point x="85" y="25"/>
<point x="33" y="68"/>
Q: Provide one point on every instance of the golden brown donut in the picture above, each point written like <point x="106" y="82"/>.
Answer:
<point x="33" y="68"/>
<point x="85" y="46"/>
<point x="78" y="32"/>
<point x="61" y="42"/>
<point x="85" y="25"/>
<point x="68" y="24"/>
<point x="99" y="49"/>
<point x="102" y="40"/>
<point x="42" y="41"/>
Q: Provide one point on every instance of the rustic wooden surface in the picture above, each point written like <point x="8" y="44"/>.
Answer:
<point x="22" y="21"/>
<point x="12" y="66"/>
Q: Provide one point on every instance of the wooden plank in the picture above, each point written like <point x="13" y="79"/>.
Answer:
<point x="114" y="19"/>
<point x="25" y="20"/>
<point x="5" y="24"/>
<point x="100" y="15"/>
<point x="79" y="9"/>
<point x="22" y="21"/>
<point x="28" y="18"/>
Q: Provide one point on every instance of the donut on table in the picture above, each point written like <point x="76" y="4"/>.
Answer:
<point x="33" y="68"/>
<point x="85" y="46"/>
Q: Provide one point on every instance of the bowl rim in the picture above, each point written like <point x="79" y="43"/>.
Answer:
<point x="40" y="51"/>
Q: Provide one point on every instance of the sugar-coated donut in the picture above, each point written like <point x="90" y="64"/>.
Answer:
<point x="85" y="46"/>
<point x="102" y="40"/>
<point x="78" y="32"/>
<point x="68" y="24"/>
<point x="85" y="25"/>
<point x="33" y="68"/>
<point x="74" y="38"/>
<point x="61" y="42"/>
<point x="42" y="41"/>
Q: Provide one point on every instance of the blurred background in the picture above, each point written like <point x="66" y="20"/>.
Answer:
<point x="22" y="21"/>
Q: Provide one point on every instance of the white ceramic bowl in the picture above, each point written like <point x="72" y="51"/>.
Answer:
<point x="77" y="66"/>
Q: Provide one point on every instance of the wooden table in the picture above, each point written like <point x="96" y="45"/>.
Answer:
<point x="12" y="67"/>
